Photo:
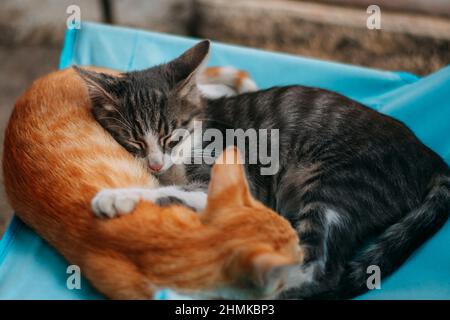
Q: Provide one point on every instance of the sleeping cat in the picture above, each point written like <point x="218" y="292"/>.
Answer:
<point x="358" y="186"/>
<point x="57" y="158"/>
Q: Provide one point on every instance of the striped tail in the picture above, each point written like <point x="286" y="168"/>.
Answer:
<point x="397" y="243"/>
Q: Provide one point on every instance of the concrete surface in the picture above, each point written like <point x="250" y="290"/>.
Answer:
<point x="414" y="43"/>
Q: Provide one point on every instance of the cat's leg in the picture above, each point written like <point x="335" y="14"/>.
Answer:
<point x="217" y="82"/>
<point x="320" y="269"/>
<point x="113" y="202"/>
<point x="321" y="230"/>
<point x="215" y="91"/>
<point x="193" y="195"/>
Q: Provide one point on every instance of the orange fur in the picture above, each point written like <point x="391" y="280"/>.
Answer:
<point x="56" y="158"/>
<point x="238" y="80"/>
<point x="240" y="77"/>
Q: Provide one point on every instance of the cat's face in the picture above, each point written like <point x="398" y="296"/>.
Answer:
<point x="145" y="110"/>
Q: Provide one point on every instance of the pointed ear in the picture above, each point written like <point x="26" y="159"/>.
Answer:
<point x="228" y="182"/>
<point x="270" y="271"/>
<point x="186" y="69"/>
<point x="187" y="66"/>
<point x="99" y="87"/>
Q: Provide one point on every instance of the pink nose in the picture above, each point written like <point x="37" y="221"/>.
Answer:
<point x="156" y="167"/>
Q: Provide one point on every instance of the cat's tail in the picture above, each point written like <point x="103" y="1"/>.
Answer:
<point x="216" y="82"/>
<point x="396" y="243"/>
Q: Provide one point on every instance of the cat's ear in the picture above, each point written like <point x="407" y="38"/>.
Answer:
<point x="270" y="271"/>
<point x="186" y="67"/>
<point x="99" y="87"/>
<point x="228" y="183"/>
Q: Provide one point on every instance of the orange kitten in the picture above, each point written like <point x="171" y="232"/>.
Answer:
<point x="57" y="158"/>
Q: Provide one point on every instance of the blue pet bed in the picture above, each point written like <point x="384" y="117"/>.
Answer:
<point x="31" y="269"/>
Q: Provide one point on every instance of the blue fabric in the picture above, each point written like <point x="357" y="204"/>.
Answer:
<point x="30" y="269"/>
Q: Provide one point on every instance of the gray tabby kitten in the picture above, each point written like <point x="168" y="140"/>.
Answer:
<point x="358" y="186"/>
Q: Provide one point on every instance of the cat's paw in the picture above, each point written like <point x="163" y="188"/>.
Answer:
<point x="110" y="203"/>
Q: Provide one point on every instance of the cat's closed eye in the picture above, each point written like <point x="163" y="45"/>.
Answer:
<point x="137" y="144"/>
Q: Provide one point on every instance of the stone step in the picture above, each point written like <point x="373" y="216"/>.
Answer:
<point x="410" y="42"/>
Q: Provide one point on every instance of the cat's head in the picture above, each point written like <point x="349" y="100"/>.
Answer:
<point x="142" y="110"/>
<point x="263" y="249"/>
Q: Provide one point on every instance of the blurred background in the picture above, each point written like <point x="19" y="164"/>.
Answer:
<point x="414" y="34"/>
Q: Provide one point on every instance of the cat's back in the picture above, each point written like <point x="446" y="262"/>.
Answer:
<point x="56" y="157"/>
<point x="320" y="115"/>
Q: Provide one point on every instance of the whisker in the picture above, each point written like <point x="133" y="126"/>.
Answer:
<point x="126" y="125"/>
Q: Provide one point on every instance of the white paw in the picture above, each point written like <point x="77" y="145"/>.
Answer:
<point x="113" y="202"/>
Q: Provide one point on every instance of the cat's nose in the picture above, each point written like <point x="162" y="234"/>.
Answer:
<point x="156" y="167"/>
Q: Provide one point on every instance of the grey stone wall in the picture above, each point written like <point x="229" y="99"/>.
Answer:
<point x="42" y="22"/>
